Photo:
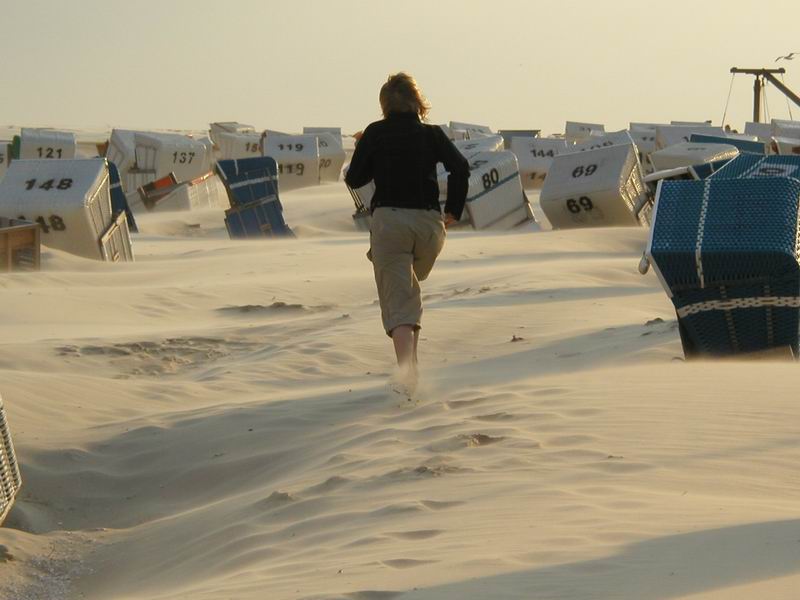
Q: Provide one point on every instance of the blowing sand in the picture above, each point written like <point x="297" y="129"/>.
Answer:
<point x="213" y="422"/>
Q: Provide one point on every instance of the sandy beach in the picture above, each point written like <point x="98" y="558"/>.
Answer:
<point x="213" y="422"/>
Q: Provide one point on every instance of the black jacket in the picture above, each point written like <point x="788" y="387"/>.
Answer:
<point x="400" y="153"/>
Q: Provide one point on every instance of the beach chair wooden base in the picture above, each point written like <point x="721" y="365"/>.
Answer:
<point x="20" y="247"/>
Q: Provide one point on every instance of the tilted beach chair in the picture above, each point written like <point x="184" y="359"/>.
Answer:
<point x="10" y="479"/>
<point x="726" y="252"/>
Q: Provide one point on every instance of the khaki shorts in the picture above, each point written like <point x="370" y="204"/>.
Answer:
<point x="404" y="244"/>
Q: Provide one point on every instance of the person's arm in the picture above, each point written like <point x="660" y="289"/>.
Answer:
<point x="359" y="173"/>
<point x="458" y="175"/>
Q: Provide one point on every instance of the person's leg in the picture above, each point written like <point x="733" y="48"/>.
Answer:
<point x="392" y="253"/>
<point x="404" y="338"/>
<point x="430" y="235"/>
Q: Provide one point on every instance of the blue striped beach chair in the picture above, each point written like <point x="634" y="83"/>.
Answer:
<point x="753" y="165"/>
<point x="252" y="186"/>
<point x="726" y="252"/>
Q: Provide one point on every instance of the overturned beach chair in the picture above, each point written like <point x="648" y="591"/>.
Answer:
<point x="596" y="188"/>
<point x="20" y="248"/>
<point x="169" y="194"/>
<point x="71" y="202"/>
<point x="151" y="193"/>
<point x="495" y="199"/>
<point x="252" y="187"/>
<point x="725" y="251"/>
<point x="10" y="479"/>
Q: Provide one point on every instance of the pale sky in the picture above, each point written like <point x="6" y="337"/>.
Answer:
<point x="519" y="64"/>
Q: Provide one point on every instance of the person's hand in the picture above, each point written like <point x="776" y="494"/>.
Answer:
<point x="449" y="220"/>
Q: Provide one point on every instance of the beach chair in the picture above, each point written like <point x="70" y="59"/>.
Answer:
<point x="495" y="198"/>
<point x="464" y="131"/>
<point x="784" y="145"/>
<point x="46" y="144"/>
<point x="509" y="134"/>
<point x="534" y="157"/>
<point x="297" y="157"/>
<point x="215" y="129"/>
<point x="263" y="218"/>
<point x="252" y="187"/>
<point x="575" y="131"/>
<point x="10" y="479"/>
<point x="19" y="245"/>
<point x="237" y="145"/>
<point x="669" y="135"/>
<point x="167" y="194"/>
<point x="151" y="193"/>
<point x="753" y="165"/>
<point x="70" y="200"/>
<point x="5" y="157"/>
<point x="249" y="179"/>
<point x="362" y="198"/>
<point x="119" y="202"/>
<point x="596" y="188"/>
<point x="686" y="154"/>
<point x="604" y="140"/>
<point x="164" y="153"/>
<point x="744" y="146"/>
<point x="763" y="131"/>
<point x="331" y="155"/>
<point x="725" y="251"/>
<point x="484" y="143"/>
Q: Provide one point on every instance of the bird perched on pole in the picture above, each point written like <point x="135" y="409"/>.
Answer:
<point x="789" y="56"/>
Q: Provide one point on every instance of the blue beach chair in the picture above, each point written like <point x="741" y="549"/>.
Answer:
<point x="726" y="252"/>
<point x="252" y="186"/>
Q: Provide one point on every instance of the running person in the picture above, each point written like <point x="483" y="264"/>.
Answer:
<point x="400" y="153"/>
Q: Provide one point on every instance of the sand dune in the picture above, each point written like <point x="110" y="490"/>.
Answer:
<point x="214" y="422"/>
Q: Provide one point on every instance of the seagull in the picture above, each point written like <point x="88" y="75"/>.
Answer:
<point x="789" y="56"/>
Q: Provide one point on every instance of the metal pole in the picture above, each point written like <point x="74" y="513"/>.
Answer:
<point x="757" y="100"/>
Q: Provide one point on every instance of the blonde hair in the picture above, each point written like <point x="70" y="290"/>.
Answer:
<point x="401" y="93"/>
